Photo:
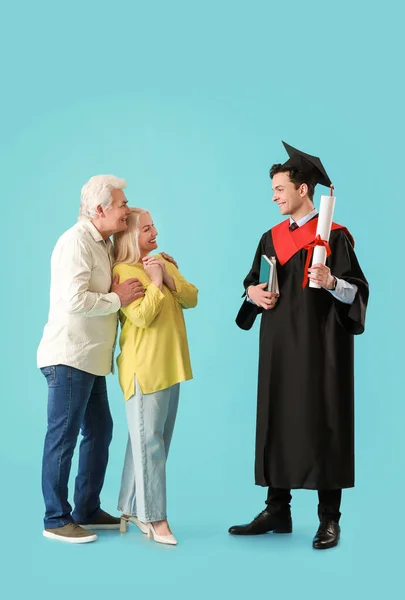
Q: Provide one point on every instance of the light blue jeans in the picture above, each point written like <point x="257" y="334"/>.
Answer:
<point x="151" y="419"/>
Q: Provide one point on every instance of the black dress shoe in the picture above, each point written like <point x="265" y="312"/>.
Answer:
<point x="264" y="522"/>
<point x="327" y="536"/>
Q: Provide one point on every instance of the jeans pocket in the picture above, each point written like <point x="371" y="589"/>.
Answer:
<point x="50" y="374"/>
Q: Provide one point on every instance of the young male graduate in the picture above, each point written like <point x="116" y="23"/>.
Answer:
<point x="305" y="409"/>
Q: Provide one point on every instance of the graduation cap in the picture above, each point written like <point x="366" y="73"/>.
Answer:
<point x="307" y="164"/>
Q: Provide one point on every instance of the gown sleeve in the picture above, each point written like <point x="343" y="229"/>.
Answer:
<point x="248" y="311"/>
<point x="343" y="264"/>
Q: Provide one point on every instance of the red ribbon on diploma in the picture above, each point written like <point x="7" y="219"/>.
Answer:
<point x="310" y="250"/>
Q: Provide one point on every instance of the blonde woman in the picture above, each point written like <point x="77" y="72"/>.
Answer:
<point x="154" y="359"/>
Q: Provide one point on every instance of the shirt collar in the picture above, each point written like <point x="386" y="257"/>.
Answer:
<point x="305" y="219"/>
<point x="94" y="232"/>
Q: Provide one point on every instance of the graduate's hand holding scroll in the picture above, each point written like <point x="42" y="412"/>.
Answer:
<point x="321" y="275"/>
<point x="266" y="300"/>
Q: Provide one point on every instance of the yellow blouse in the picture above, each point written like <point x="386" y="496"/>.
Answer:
<point x="153" y="338"/>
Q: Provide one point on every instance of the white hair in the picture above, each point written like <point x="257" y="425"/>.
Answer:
<point x="98" y="191"/>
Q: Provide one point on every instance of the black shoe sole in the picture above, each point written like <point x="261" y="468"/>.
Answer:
<point x="325" y="546"/>
<point x="278" y="531"/>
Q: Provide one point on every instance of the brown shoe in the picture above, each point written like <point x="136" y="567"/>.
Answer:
<point x="102" y="521"/>
<point x="72" y="533"/>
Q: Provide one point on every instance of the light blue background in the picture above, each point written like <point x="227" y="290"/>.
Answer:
<point x="189" y="102"/>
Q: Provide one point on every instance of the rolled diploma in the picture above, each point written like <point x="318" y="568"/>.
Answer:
<point x="325" y="219"/>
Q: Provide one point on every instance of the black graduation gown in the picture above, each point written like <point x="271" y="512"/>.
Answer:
<point x="305" y="409"/>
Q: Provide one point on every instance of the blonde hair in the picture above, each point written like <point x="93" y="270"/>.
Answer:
<point x="126" y="243"/>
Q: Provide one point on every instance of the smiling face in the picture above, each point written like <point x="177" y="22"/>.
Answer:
<point x="147" y="234"/>
<point x="114" y="219"/>
<point x="288" y="198"/>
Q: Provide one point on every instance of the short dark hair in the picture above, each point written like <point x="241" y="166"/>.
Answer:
<point x="297" y="177"/>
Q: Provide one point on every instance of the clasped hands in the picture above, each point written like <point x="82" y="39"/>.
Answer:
<point x="155" y="268"/>
<point x="132" y="289"/>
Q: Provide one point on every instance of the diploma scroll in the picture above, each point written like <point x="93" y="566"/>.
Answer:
<point x="325" y="219"/>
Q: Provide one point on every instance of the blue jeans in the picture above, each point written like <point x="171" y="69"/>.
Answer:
<point x="151" y="419"/>
<point x="76" y="400"/>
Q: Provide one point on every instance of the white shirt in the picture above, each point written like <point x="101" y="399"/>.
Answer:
<point x="344" y="291"/>
<point x="82" y="322"/>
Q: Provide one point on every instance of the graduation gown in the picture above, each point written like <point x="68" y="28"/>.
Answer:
<point x="305" y="408"/>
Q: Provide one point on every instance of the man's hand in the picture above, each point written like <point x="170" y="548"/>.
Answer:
<point x="321" y="275"/>
<point x="130" y="290"/>
<point x="170" y="259"/>
<point x="266" y="300"/>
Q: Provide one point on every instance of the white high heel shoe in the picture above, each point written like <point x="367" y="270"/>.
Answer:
<point x="142" y="526"/>
<point x="161" y="539"/>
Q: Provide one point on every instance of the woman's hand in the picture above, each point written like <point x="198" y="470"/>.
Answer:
<point x="167" y="279"/>
<point x="154" y="270"/>
<point x="153" y="260"/>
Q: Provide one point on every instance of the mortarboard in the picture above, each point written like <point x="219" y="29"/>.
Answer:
<point x="308" y="164"/>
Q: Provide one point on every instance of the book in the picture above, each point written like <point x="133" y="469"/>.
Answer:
<point x="268" y="273"/>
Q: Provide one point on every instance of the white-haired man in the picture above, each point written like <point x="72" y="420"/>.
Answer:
<point x="75" y="355"/>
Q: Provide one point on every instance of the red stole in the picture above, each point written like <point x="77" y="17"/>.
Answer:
<point x="287" y="243"/>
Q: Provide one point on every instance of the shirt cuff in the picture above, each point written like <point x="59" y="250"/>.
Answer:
<point x="249" y="299"/>
<point x="155" y="290"/>
<point x="344" y="291"/>
<point x="115" y="301"/>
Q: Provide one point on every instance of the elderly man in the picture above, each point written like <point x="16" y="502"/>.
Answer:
<point x="75" y="355"/>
